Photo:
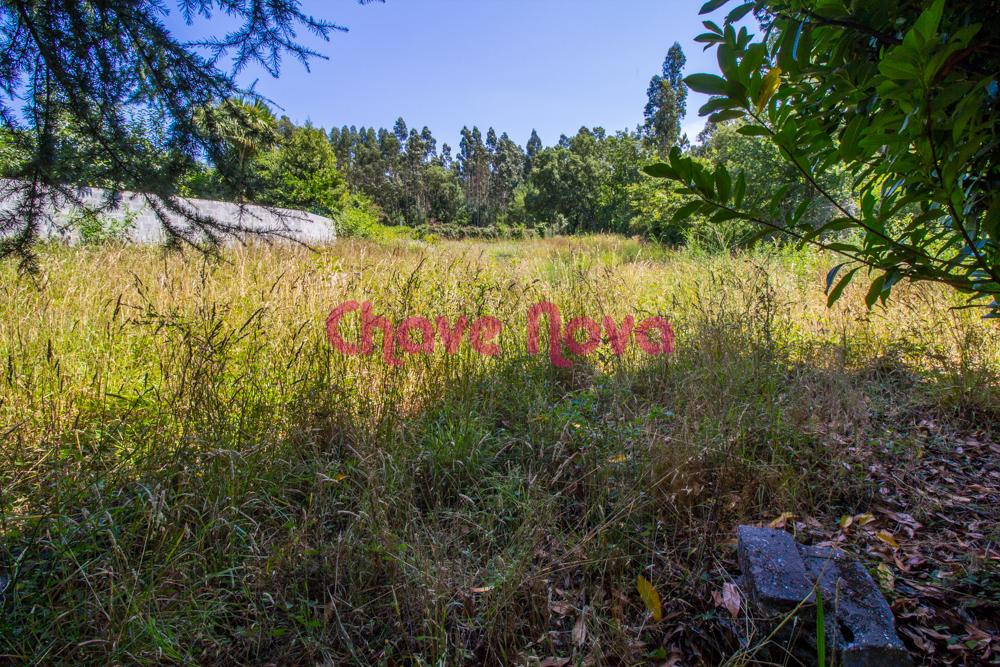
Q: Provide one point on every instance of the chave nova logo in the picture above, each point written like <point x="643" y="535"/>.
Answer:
<point x="419" y="335"/>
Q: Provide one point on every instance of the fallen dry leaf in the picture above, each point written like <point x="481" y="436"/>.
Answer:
<point x="561" y="608"/>
<point x="650" y="597"/>
<point x="731" y="599"/>
<point x="782" y="520"/>
<point x="885" y="577"/>
<point x="580" y="630"/>
<point x="554" y="662"/>
<point x="675" y="659"/>
<point x="864" y="519"/>
<point x="887" y="537"/>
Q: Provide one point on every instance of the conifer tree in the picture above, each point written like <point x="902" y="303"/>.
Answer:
<point x="113" y="74"/>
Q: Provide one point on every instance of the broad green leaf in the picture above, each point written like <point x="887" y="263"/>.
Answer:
<point x="786" y="47"/>
<point x="711" y="6"/>
<point x="803" y="45"/>
<point x="713" y="26"/>
<point x="839" y="288"/>
<point x="686" y="211"/>
<point x="659" y="170"/>
<point x="723" y="184"/>
<point x="724" y="215"/>
<point x="753" y="131"/>
<point x="709" y="38"/>
<point x="739" y="12"/>
<point x="898" y="68"/>
<point x="741" y="189"/>
<point x="833" y="274"/>
<point x="716" y="104"/>
<point x="723" y="116"/>
<point x="875" y="291"/>
<point x="755" y="56"/>
<point x="727" y="60"/>
<point x="927" y="25"/>
<point x="709" y="84"/>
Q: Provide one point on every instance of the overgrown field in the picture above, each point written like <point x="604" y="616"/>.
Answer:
<point x="189" y="473"/>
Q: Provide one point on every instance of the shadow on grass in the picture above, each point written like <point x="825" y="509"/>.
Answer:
<point x="485" y="522"/>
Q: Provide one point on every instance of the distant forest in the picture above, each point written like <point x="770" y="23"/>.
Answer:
<point x="380" y="182"/>
<point x="402" y="180"/>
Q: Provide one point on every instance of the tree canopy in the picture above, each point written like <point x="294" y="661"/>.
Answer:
<point x="666" y="103"/>
<point x="903" y="95"/>
<point x="104" y="94"/>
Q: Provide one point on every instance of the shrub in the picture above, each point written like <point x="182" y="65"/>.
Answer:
<point x="100" y="229"/>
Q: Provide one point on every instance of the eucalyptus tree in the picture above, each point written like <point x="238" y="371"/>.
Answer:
<point x="666" y="102"/>
<point x="532" y="149"/>
<point x="474" y="170"/>
<point x="507" y="173"/>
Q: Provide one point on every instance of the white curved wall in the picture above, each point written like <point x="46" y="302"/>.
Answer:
<point x="275" y="223"/>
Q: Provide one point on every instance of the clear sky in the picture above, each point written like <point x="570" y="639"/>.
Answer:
<point x="553" y="65"/>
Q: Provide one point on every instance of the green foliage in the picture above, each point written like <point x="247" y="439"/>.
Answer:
<point x="904" y="96"/>
<point x="12" y="155"/>
<point x="133" y="93"/>
<point x="360" y="218"/>
<point x="202" y="180"/>
<point x="102" y="229"/>
<point x="666" y="102"/>
<point x="767" y="176"/>
<point x="653" y="208"/>
<point x="302" y="173"/>
<point x="244" y="132"/>
<point x="446" y="201"/>
<point x="565" y="183"/>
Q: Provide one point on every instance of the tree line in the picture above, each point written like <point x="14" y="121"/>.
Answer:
<point x="372" y="179"/>
<point x="403" y="181"/>
<point x="400" y="179"/>
<point x="865" y="129"/>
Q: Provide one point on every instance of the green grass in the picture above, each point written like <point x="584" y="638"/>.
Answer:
<point x="190" y="474"/>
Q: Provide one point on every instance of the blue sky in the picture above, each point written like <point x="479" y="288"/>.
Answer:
<point x="553" y="65"/>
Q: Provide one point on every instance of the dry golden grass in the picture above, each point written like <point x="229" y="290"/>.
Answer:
<point x="189" y="472"/>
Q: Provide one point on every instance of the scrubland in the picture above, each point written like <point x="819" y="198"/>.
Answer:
<point x="189" y="473"/>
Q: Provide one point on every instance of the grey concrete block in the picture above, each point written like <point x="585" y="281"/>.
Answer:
<point x="864" y="627"/>
<point x="773" y="569"/>
<point x="780" y="573"/>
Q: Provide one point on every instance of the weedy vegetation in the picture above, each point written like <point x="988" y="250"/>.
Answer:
<point x="189" y="473"/>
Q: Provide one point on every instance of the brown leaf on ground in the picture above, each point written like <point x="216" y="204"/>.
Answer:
<point x="554" y="662"/>
<point x="731" y="599"/>
<point x="580" y="630"/>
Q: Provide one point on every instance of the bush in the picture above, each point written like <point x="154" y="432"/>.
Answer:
<point x="359" y="218"/>
<point x="96" y="229"/>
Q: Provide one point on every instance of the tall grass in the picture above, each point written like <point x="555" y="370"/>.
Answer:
<point x="190" y="473"/>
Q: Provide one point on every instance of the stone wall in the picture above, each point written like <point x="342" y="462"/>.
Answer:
<point x="146" y="227"/>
